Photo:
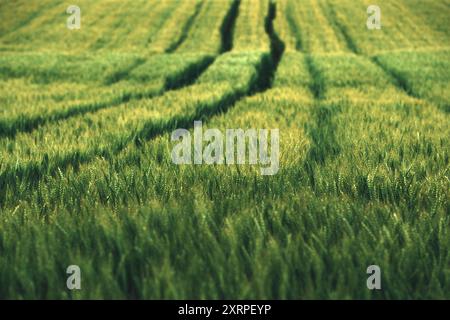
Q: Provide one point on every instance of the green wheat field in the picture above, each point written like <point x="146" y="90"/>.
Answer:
<point x="87" y="179"/>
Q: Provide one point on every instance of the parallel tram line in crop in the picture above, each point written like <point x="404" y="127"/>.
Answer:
<point x="134" y="36"/>
<point x="113" y="142"/>
<point x="35" y="168"/>
<point x="402" y="33"/>
<point x="104" y="25"/>
<point x="227" y="27"/>
<point x="186" y="27"/>
<point x="292" y="26"/>
<point x="29" y="119"/>
<point x="29" y="123"/>
<point x="326" y="135"/>
<point x="137" y="35"/>
<point x="114" y="26"/>
<point x="207" y="25"/>
<point x="326" y="144"/>
<point x="250" y="34"/>
<point x="397" y="79"/>
<point x="148" y="132"/>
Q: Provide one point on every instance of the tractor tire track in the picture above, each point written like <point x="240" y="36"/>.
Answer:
<point x="227" y="28"/>
<point x="317" y="86"/>
<point x="10" y="128"/>
<point x="277" y="46"/>
<point x="186" y="28"/>
<point x="263" y="82"/>
<point x="32" y="172"/>
<point x="124" y="73"/>
<point x="322" y="130"/>
<point x="396" y="79"/>
<point x="166" y="16"/>
<point x="299" y="45"/>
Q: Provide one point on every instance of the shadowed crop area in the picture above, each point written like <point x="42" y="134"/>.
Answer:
<point x="87" y="176"/>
